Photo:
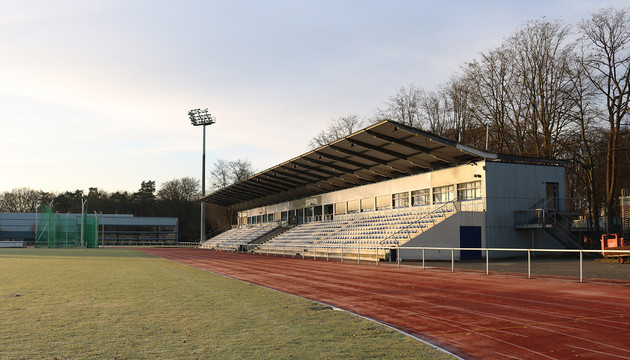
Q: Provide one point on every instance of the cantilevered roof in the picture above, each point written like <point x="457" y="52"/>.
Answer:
<point x="383" y="151"/>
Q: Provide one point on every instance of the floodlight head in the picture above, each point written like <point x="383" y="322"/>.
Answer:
<point x="200" y="117"/>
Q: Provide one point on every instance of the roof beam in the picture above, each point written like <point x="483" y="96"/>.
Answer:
<point x="253" y="190"/>
<point x="299" y="172"/>
<point x="301" y="181"/>
<point x="275" y="182"/>
<point x="420" y="149"/>
<point x="371" y="158"/>
<point x="385" y="151"/>
<point x="258" y="185"/>
<point x="353" y="163"/>
<point x="344" y="170"/>
<point x="329" y="186"/>
<point x="319" y="169"/>
<point x="230" y="194"/>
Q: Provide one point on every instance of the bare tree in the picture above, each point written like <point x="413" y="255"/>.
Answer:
<point x="184" y="189"/>
<point x="606" y="45"/>
<point x="241" y="169"/>
<point x="541" y="52"/>
<point x="220" y="174"/>
<point x="457" y="95"/>
<point x="433" y="112"/>
<point x="583" y="145"/>
<point x="20" y="200"/>
<point x="494" y="102"/>
<point x="404" y="107"/>
<point x="337" y="129"/>
<point x="225" y="172"/>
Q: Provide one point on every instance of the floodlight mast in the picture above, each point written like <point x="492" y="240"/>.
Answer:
<point x="201" y="117"/>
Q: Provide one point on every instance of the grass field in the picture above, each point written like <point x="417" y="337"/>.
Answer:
<point x="124" y="304"/>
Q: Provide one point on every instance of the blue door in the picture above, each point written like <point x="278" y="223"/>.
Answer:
<point x="470" y="237"/>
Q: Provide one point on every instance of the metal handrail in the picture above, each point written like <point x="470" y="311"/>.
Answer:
<point x="424" y="216"/>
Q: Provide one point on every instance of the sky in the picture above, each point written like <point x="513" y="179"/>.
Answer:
<point x="97" y="93"/>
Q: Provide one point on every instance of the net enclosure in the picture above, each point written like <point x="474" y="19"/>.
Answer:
<point x="54" y="230"/>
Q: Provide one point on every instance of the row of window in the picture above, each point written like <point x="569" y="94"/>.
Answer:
<point x="436" y="195"/>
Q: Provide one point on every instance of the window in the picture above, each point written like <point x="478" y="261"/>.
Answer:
<point x="469" y="191"/>
<point x="421" y="197"/>
<point x="443" y="194"/>
<point x="354" y="206"/>
<point x="340" y="208"/>
<point x="383" y="202"/>
<point x="400" y="200"/>
<point x="367" y="204"/>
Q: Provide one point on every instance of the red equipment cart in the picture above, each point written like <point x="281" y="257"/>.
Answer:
<point x="612" y="242"/>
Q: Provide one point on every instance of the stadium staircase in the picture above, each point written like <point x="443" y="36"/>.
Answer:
<point x="561" y="230"/>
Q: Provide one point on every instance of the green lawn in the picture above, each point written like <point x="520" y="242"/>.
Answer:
<point x="124" y="304"/>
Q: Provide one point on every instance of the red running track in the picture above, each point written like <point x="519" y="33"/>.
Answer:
<point x="469" y="314"/>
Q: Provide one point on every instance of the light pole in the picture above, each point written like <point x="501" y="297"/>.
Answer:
<point x="199" y="117"/>
<point x="83" y="202"/>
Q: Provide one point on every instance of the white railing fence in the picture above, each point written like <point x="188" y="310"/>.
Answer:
<point x="378" y="254"/>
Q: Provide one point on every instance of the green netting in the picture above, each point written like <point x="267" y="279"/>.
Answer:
<point x="90" y="236"/>
<point x="63" y="230"/>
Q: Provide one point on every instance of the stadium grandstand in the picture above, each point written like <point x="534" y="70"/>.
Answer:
<point x="389" y="188"/>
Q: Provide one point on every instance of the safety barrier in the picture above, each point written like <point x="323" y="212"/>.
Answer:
<point x="377" y="254"/>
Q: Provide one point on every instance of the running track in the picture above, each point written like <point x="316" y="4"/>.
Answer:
<point x="470" y="314"/>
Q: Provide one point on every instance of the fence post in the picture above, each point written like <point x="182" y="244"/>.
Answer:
<point x="342" y="255"/>
<point x="581" y="265"/>
<point x="398" y="254"/>
<point x="529" y="264"/>
<point x="487" y="262"/>
<point x="303" y="251"/>
<point x="423" y="267"/>
<point x="327" y="248"/>
<point x="452" y="260"/>
<point x="358" y="255"/>
<point x="377" y="255"/>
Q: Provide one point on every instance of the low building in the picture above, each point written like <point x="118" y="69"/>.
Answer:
<point x="113" y="229"/>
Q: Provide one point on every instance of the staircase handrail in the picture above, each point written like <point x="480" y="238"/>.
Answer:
<point x="555" y="215"/>
<point x="417" y="221"/>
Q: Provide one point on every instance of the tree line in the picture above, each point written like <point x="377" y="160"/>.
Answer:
<point x="178" y="197"/>
<point x="175" y="198"/>
<point x="550" y="90"/>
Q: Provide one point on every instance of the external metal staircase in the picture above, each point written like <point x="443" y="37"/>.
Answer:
<point x="555" y="222"/>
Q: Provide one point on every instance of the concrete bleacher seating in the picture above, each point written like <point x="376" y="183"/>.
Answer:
<point x="234" y="238"/>
<point x="367" y="234"/>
